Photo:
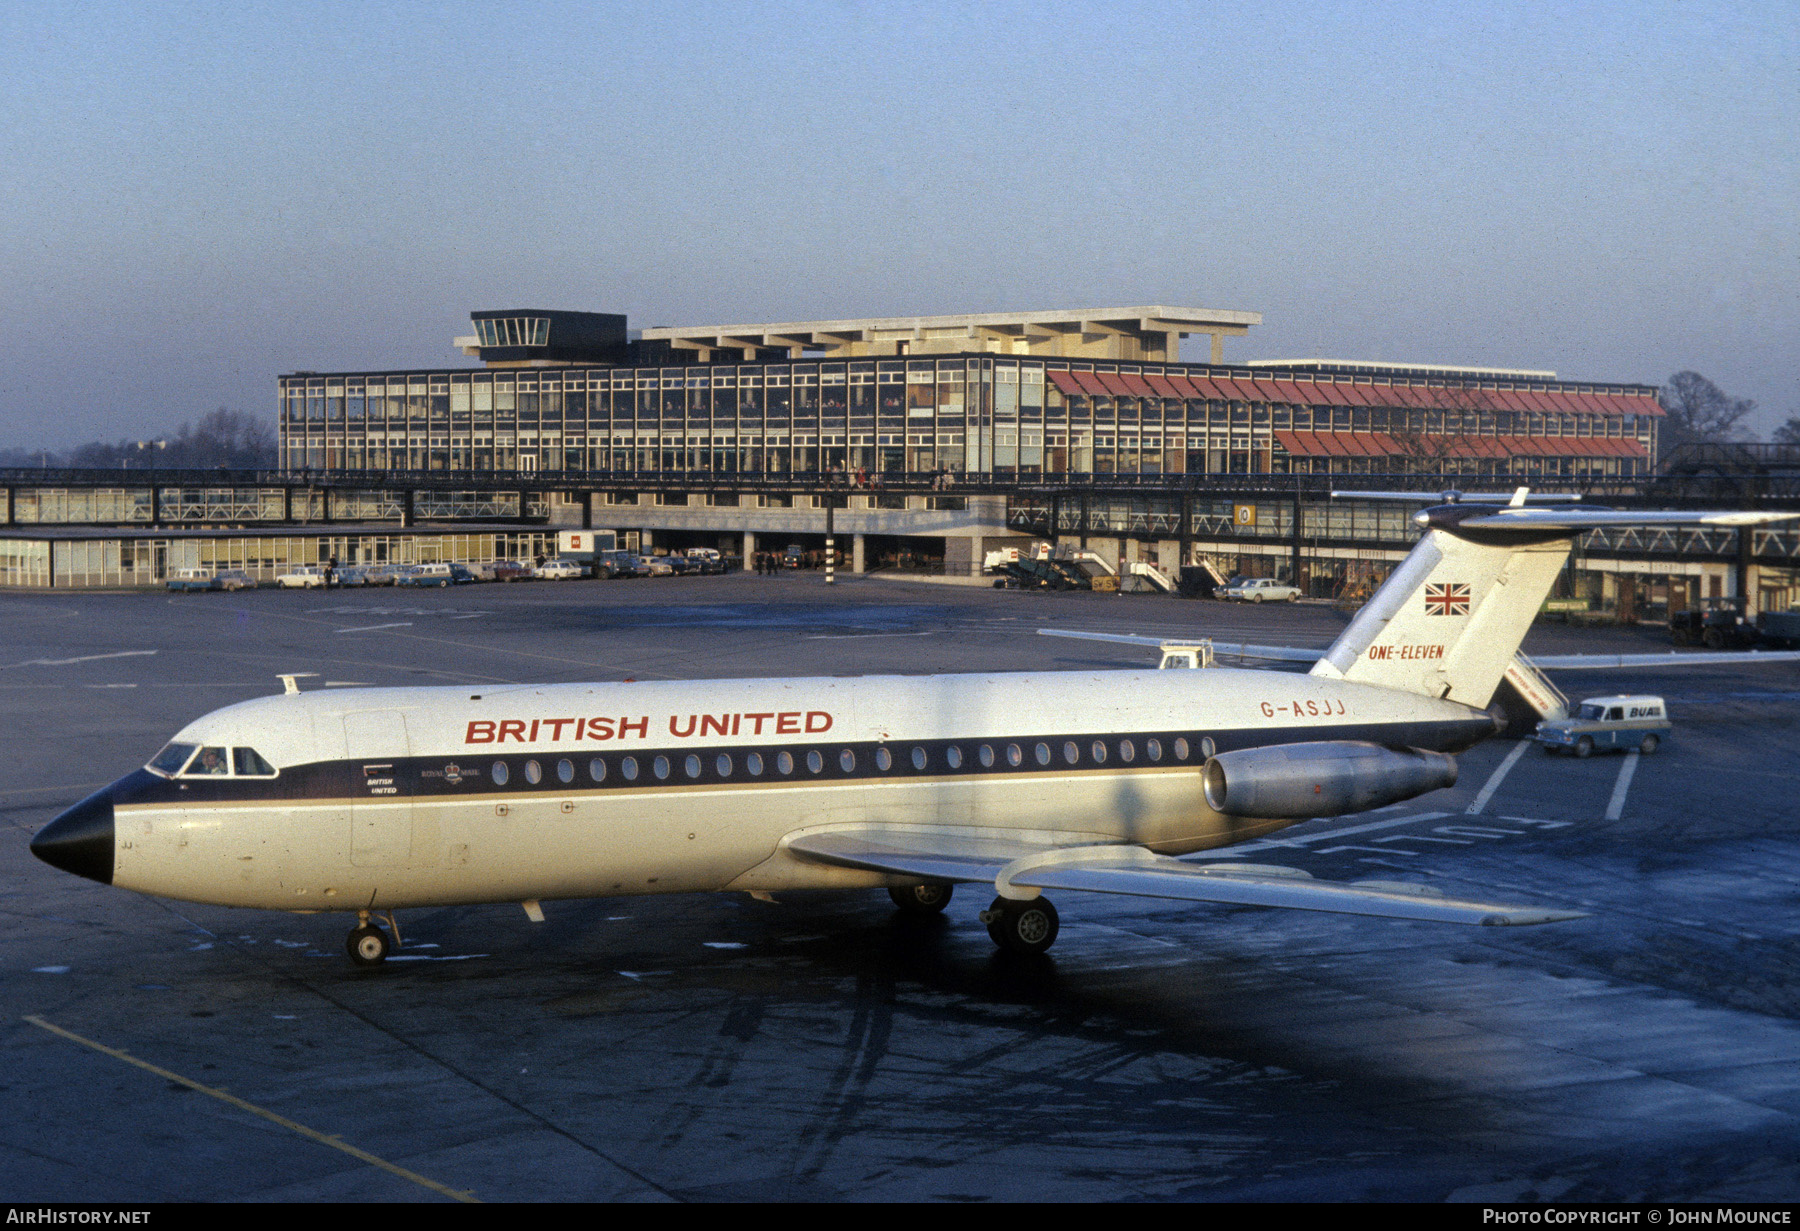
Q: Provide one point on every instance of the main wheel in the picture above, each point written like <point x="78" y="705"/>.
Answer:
<point x="1650" y="745"/>
<point x="922" y="899"/>
<point x="1022" y="927"/>
<point x="367" y="945"/>
<point x="1584" y="747"/>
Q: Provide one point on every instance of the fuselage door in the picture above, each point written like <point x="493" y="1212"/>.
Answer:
<point x="381" y="820"/>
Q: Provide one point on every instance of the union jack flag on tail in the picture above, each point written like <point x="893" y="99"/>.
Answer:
<point x="1450" y="598"/>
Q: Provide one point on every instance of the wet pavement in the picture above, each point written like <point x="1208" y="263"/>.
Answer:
<point x="719" y="1048"/>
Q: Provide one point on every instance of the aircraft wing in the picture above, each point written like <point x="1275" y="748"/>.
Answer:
<point x="1283" y="653"/>
<point x="1673" y="658"/>
<point x="1552" y="662"/>
<point x="948" y="856"/>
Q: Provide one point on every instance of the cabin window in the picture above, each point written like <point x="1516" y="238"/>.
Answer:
<point x="814" y="761"/>
<point x="1208" y="749"/>
<point x="172" y="758"/>
<point x="1615" y="714"/>
<point x="565" y="771"/>
<point x="248" y="764"/>
<point x="784" y="761"/>
<point x="1181" y="750"/>
<point x="1153" y="749"/>
<point x="534" y="773"/>
<point x="1043" y="754"/>
<point x="628" y="767"/>
<point x="753" y="763"/>
<point x="918" y="758"/>
<point x="985" y="755"/>
<point x="1099" y="751"/>
<point x="1071" y="752"/>
<point x="847" y="761"/>
<point x="692" y="766"/>
<point x="884" y="760"/>
<point x="499" y="773"/>
<point x="597" y="769"/>
<point x="660" y="767"/>
<point x="1014" y="757"/>
<point x="953" y="755"/>
<point x="723" y="765"/>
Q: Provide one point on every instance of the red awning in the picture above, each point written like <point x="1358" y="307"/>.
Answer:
<point x="1066" y="382"/>
<point x="1164" y="387"/>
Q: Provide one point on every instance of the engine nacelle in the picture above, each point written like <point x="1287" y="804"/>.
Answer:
<point x="1328" y="778"/>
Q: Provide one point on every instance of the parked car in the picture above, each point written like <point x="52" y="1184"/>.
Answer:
<point x="1260" y="590"/>
<point x="234" y="579"/>
<point x="439" y="575"/>
<point x="658" y="566"/>
<point x="511" y="570"/>
<point x="187" y="580"/>
<point x="301" y="577"/>
<point x="559" y="570"/>
<point x="380" y="574"/>
<point x="349" y="576"/>
<point x="1621" y="723"/>
<point x="706" y="560"/>
<point x="609" y="564"/>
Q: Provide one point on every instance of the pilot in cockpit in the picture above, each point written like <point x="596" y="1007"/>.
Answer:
<point x="212" y="761"/>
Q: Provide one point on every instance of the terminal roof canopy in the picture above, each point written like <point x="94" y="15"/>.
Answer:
<point x="1148" y="332"/>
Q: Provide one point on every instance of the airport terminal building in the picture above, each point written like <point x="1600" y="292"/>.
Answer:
<point x="1015" y="397"/>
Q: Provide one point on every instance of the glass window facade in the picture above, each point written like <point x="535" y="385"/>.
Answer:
<point x="960" y="415"/>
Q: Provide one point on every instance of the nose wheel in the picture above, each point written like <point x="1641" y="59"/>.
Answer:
<point x="368" y="943"/>
<point x="1022" y="926"/>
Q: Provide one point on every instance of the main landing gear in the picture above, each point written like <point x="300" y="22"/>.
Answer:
<point x="368" y="943"/>
<point x="922" y="899"/>
<point x="1027" y="927"/>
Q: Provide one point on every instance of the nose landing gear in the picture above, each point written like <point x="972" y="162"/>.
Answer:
<point x="368" y="943"/>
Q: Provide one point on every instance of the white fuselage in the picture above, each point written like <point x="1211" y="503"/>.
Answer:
<point x="387" y="798"/>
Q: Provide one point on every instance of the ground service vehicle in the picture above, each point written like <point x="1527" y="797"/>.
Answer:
<point x="188" y="580"/>
<point x="1718" y="624"/>
<point x="374" y="800"/>
<point x="1611" y="723"/>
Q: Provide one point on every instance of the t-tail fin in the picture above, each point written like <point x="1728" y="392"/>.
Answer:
<point x="1449" y="620"/>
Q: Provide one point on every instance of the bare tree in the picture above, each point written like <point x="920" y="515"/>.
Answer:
<point x="1789" y="432"/>
<point x="1456" y="420"/>
<point x="229" y="439"/>
<point x="1698" y="410"/>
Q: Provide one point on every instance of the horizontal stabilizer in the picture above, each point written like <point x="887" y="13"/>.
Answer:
<point x="1596" y="519"/>
<point x="1282" y="653"/>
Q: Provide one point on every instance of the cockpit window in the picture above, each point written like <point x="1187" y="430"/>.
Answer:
<point x="170" y="760"/>
<point x="211" y="761"/>
<point x="248" y="764"/>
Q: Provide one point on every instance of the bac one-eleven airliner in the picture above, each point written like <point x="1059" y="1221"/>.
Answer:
<point x="376" y="800"/>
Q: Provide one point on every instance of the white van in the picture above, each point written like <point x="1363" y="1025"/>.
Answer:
<point x="302" y="577"/>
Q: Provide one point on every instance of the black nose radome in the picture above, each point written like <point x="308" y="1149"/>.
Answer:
<point x="81" y="839"/>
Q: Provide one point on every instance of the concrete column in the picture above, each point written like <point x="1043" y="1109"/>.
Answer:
<point x="976" y="552"/>
<point x="858" y="563"/>
<point x="749" y="549"/>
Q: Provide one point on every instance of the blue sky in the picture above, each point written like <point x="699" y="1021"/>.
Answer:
<point x="199" y="197"/>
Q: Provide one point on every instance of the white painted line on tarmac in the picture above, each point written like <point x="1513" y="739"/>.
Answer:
<point x="1497" y="777"/>
<point x="1232" y="852"/>
<point x="370" y="628"/>
<point x="85" y="658"/>
<point x="1616" y="807"/>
